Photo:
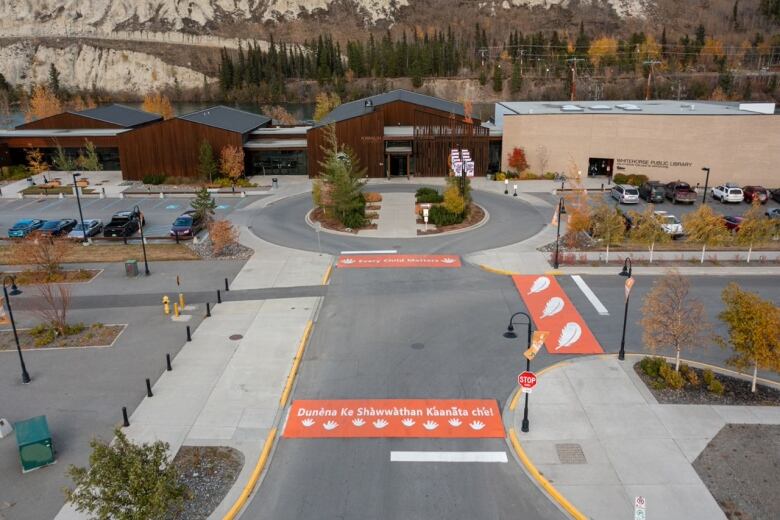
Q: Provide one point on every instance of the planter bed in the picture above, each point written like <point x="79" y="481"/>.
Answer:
<point x="475" y="216"/>
<point x="318" y="215"/>
<point x="114" y="252"/>
<point x="208" y="473"/>
<point x="64" y="276"/>
<point x="95" y="335"/>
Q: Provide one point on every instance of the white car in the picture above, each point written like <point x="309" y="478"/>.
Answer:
<point x="727" y="193"/>
<point x="625" y="194"/>
<point x="670" y="223"/>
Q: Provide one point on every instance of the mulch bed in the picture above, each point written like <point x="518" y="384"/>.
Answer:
<point x="739" y="467"/>
<point x="208" y="472"/>
<point x="475" y="215"/>
<point x="736" y="392"/>
<point x="96" y="335"/>
<point x="36" y="277"/>
<point x="318" y="215"/>
<point x="234" y="252"/>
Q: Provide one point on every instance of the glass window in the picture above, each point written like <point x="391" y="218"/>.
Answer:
<point x="279" y="162"/>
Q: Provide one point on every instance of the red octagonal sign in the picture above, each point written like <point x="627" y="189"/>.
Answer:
<point x="527" y="380"/>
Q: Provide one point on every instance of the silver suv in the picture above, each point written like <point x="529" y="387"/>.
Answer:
<point x="625" y="194"/>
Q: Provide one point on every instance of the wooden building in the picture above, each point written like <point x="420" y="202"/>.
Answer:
<point x="402" y="133"/>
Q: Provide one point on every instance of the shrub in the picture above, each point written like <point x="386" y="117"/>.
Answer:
<point x="637" y="179"/>
<point x="693" y="378"/>
<point x="708" y="376"/>
<point x="550" y="176"/>
<point x="225" y="182"/>
<point x="428" y="196"/>
<point x="453" y="201"/>
<point x="620" y="178"/>
<point x="14" y="173"/>
<point x="673" y="378"/>
<point x="316" y="193"/>
<point x="154" y="178"/>
<point x="527" y="176"/>
<point x="76" y="328"/>
<point x="45" y="337"/>
<point x="354" y="220"/>
<point x="223" y="236"/>
<point x="501" y="176"/>
<point x="716" y="387"/>
<point x="372" y="196"/>
<point x="441" y="216"/>
<point x="652" y="365"/>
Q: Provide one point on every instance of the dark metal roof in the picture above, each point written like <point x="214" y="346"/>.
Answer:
<point x="226" y="118"/>
<point x="120" y="115"/>
<point x="358" y="107"/>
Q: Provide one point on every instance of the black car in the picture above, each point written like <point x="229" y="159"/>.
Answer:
<point x="775" y="194"/>
<point x="187" y="224"/>
<point x="652" y="191"/>
<point x="57" y="228"/>
<point x="123" y="224"/>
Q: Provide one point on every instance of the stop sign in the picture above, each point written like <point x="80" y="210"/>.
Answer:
<point x="527" y="380"/>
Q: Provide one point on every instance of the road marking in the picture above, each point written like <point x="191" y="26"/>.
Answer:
<point x="592" y="298"/>
<point x="448" y="456"/>
<point x="377" y="252"/>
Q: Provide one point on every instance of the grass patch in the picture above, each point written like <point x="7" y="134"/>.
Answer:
<point x="77" y="335"/>
<point x="78" y="253"/>
<point x="65" y="190"/>
<point x="35" y="277"/>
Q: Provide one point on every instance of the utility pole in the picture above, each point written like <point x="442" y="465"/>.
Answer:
<point x="650" y="76"/>
<point x="573" y="62"/>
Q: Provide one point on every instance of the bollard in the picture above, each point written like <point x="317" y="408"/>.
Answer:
<point x="208" y="310"/>
<point x="168" y="362"/>
<point x="189" y="336"/>
<point x="602" y="186"/>
<point x="562" y="182"/>
<point x="125" y="420"/>
<point x="219" y="297"/>
<point x="227" y="287"/>
<point x="149" y="389"/>
<point x="176" y="309"/>
<point x="176" y="234"/>
<point x="162" y="195"/>
<point x="181" y="300"/>
<point x="166" y="305"/>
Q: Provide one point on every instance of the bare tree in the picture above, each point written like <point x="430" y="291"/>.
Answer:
<point x="543" y="158"/>
<point x="51" y="305"/>
<point x="45" y="253"/>
<point x="672" y="317"/>
<point x="223" y="235"/>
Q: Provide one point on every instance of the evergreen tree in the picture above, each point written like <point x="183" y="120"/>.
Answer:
<point x="207" y="165"/>
<point x="203" y="204"/>
<point x="516" y="82"/>
<point x="54" y="79"/>
<point x="498" y="78"/>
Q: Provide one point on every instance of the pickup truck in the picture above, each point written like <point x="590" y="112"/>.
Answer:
<point x="122" y="224"/>
<point x="680" y="192"/>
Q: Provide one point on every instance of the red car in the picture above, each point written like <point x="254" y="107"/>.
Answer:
<point x="755" y="193"/>
<point x="732" y="223"/>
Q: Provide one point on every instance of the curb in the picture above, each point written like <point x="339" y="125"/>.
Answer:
<point x="295" y="365"/>
<point x="326" y="277"/>
<point x="496" y="271"/>
<point x="250" y="486"/>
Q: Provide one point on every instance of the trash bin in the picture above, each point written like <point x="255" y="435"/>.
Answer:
<point x="131" y="267"/>
<point x="275" y="182"/>
<point x="34" y="442"/>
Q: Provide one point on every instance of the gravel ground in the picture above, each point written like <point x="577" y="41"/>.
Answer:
<point x="235" y="252"/>
<point x="740" y="467"/>
<point x="208" y="472"/>
<point x="736" y="392"/>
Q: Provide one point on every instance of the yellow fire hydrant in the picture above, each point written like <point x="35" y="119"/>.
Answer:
<point x="181" y="300"/>
<point x="166" y="305"/>
<point x="176" y="309"/>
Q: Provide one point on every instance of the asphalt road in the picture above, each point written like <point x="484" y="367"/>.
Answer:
<point x="432" y="333"/>
<point x="159" y="213"/>
<point x="510" y="221"/>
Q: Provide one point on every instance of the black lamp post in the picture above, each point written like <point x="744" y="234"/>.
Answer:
<point x="629" y="283"/>
<point x="78" y="201"/>
<point x="510" y="333"/>
<point x="15" y="292"/>
<point x="706" y="182"/>
<point x="136" y="209"/>
<point x="560" y="210"/>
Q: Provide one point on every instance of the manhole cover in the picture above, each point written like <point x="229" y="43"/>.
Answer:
<point x="236" y="337"/>
<point x="570" y="454"/>
<point x="418" y="346"/>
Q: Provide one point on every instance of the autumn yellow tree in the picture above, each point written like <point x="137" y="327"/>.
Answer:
<point x="42" y="103"/>
<point x="648" y="229"/>
<point x="325" y="103"/>
<point x="224" y="236"/>
<point x="672" y="317"/>
<point x="158" y="103"/>
<point x="650" y="49"/>
<point x="705" y="227"/>
<point x="603" y="51"/>
<point x="712" y="50"/>
<point x="279" y="114"/>
<point x="231" y="163"/>
<point x="755" y="228"/>
<point x="577" y="206"/>
<point x="36" y="162"/>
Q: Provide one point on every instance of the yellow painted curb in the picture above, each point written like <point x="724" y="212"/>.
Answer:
<point x="518" y="393"/>
<point x="496" y="271"/>
<point x="253" y="478"/>
<point x="549" y="488"/>
<point x="554" y="273"/>
<point x="296" y="363"/>
<point x="326" y="278"/>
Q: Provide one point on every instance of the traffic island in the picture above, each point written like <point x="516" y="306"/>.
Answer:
<point x="474" y="217"/>
<point x="79" y="335"/>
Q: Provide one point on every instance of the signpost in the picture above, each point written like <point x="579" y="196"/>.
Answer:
<point x="425" y="218"/>
<point x="640" y="508"/>
<point x="536" y="344"/>
<point x="318" y="228"/>
<point x="527" y="381"/>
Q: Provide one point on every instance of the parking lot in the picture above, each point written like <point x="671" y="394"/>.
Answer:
<point x="159" y="213"/>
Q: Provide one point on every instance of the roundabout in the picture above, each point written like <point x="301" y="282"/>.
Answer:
<point x="507" y="220"/>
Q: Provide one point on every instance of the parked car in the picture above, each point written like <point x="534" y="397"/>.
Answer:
<point x="732" y="222"/>
<point x="755" y="193"/>
<point x="187" y="224"/>
<point x="670" y="223"/>
<point x="24" y="227"/>
<point x="123" y="224"/>
<point x="625" y="194"/>
<point x="57" y="228"/>
<point x="652" y="191"/>
<point x="727" y="193"/>
<point x="775" y="194"/>
<point x="773" y="213"/>
<point x="678" y="191"/>
<point x="91" y="228"/>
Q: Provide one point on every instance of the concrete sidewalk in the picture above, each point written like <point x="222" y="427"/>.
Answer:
<point x="396" y="217"/>
<point x="600" y="437"/>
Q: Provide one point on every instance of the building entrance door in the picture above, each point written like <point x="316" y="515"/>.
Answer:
<point x="399" y="165"/>
<point x="600" y="166"/>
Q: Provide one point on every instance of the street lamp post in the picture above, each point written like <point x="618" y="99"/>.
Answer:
<point x="78" y="201"/>
<point x="629" y="284"/>
<point x="560" y="210"/>
<point x="510" y="333"/>
<point x="143" y="240"/>
<point x="706" y="183"/>
<point x="15" y="292"/>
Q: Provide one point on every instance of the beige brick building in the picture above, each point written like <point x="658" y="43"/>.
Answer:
<point x="665" y="140"/>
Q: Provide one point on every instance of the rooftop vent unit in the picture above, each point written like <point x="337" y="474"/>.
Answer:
<point x="571" y="108"/>
<point x="628" y="107"/>
<point x="600" y="107"/>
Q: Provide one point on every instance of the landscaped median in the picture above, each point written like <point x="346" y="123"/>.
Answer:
<point x="77" y="335"/>
<point x="119" y="252"/>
